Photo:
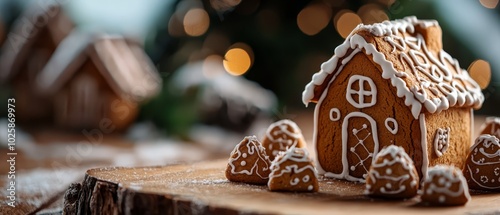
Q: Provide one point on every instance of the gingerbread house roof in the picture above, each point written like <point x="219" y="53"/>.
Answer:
<point x="122" y="62"/>
<point x="408" y="53"/>
<point x="39" y="15"/>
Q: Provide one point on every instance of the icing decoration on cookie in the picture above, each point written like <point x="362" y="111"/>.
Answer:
<point x="292" y="170"/>
<point x="394" y="128"/>
<point x="445" y="185"/>
<point x="420" y="75"/>
<point x="441" y="141"/>
<point x="282" y="135"/>
<point x="366" y="97"/>
<point x="335" y="111"/>
<point x="453" y="85"/>
<point x="392" y="175"/>
<point x="248" y="162"/>
<point x="482" y="167"/>
<point x="491" y="126"/>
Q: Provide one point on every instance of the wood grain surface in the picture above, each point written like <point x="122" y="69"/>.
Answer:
<point x="202" y="188"/>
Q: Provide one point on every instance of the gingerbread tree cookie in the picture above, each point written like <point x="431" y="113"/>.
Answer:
<point x="248" y="162"/>
<point x="482" y="168"/>
<point x="292" y="170"/>
<point x="282" y="135"/>
<point x="491" y="126"/>
<point x="392" y="175"/>
<point x="445" y="186"/>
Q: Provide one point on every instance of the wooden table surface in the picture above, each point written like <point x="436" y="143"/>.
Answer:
<point x="51" y="160"/>
<point x="201" y="188"/>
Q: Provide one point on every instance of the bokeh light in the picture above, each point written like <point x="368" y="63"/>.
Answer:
<point x="491" y="4"/>
<point x="196" y="22"/>
<point x="372" y="13"/>
<point x="480" y="71"/>
<point x="345" y="21"/>
<point x="314" y="18"/>
<point x="237" y="61"/>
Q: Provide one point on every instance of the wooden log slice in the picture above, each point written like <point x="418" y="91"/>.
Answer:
<point x="202" y="188"/>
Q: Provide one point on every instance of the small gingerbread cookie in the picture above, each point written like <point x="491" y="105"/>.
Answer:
<point x="392" y="175"/>
<point x="248" y="162"/>
<point x="292" y="170"/>
<point x="491" y="126"/>
<point x="282" y="135"/>
<point x="445" y="186"/>
<point x="482" y="167"/>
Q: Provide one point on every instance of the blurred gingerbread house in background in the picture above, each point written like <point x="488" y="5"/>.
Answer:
<point x="97" y="77"/>
<point x="70" y="79"/>
<point x="34" y="37"/>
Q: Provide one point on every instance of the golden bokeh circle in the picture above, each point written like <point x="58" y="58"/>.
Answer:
<point x="314" y="18"/>
<point x="237" y="61"/>
<point x="345" y="21"/>
<point x="490" y="4"/>
<point x="196" y="22"/>
<point x="480" y="71"/>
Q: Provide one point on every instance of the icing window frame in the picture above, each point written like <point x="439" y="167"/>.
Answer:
<point x="362" y="92"/>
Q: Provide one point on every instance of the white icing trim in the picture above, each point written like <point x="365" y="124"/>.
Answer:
<point x="283" y="137"/>
<point x="253" y="147"/>
<point x="479" y="183"/>
<point x="487" y="141"/>
<point x="374" y="133"/>
<point x="337" y="111"/>
<point x="405" y="161"/>
<point x="441" y="141"/>
<point x="423" y="142"/>
<point x="394" y="123"/>
<point x="448" y="95"/>
<point x="296" y="155"/>
<point x="319" y="168"/>
<point x="447" y="173"/>
<point x="361" y="92"/>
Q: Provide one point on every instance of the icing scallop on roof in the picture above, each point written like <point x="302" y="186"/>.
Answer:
<point x="431" y="80"/>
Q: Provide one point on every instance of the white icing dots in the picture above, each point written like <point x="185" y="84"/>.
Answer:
<point x="388" y="171"/>
<point x="244" y="155"/>
<point x="441" y="141"/>
<point x="334" y="114"/>
<point x="391" y="128"/>
<point x="243" y="163"/>
<point x="442" y="199"/>
<point x="294" y="161"/>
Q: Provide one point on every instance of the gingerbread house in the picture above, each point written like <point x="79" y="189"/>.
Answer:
<point x="391" y="83"/>
<point x="95" y="79"/>
<point x="34" y="37"/>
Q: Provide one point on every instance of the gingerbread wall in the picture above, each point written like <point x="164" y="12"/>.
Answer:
<point x="329" y="133"/>
<point x="87" y="101"/>
<point x="458" y="120"/>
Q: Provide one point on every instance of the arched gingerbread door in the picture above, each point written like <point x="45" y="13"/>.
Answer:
<point x="359" y="145"/>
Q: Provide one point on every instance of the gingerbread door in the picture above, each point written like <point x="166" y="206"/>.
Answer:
<point x="359" y="145"/>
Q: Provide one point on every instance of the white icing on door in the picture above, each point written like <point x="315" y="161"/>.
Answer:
<point x="366" y="97"/>
<point x="334" y="114"/>
<point x="441" y="141"/>
<point x="368" y="132"/>
<point x="394" y="128"/>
